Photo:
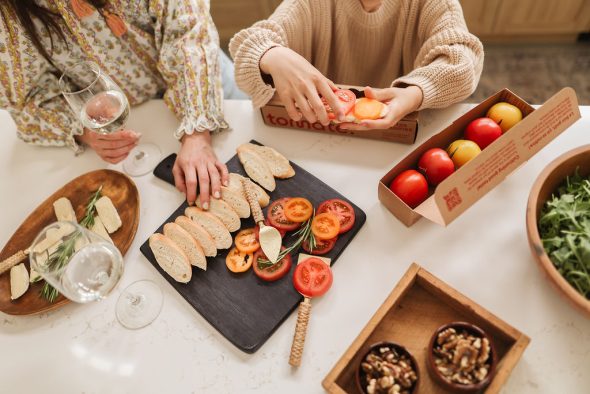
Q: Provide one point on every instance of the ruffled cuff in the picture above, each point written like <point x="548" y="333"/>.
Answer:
<point x="203" y="122"/>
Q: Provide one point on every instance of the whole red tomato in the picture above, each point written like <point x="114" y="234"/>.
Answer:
<point x="436" y="165"/>
<point x="483" y="131"/>
<point x="411" y="187"/>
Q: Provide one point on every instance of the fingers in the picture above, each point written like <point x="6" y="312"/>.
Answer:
<point x="215" y="180"/>
<point x="120" y="135"/>
<point x="327" y="92"/>
<point x="305" y="108"/>
<point x="115" y="159"/>
<point x="116" y="151"/>
<point x="317" y="106"/>
<point x="204" y="188"/>
<point x="379" y="124"/>
<point x="179" y="181"/>
<point x="190" y="176"/>
<point x="379" y="94"/>
<point x="224" y="173"/>
<point x="292" y="109"/>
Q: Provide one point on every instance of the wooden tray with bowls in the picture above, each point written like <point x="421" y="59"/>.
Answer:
<point x="124" y="195"/>
<point x="417" y="306"/>
<point x="243" y="308"/>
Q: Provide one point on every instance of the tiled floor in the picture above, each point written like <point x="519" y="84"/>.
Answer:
<point x="536" y="72"/>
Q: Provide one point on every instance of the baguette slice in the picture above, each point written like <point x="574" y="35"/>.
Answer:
<point x="108" y="214"/>
<point x="278" y="164"/>
<point x="171" y="258"/>
<point x="224" y="212"/>
<point x="256" y="168"/>
<point x="212" y="225"/>
<point x="199" y="234"/>
<point x="235" y="183"/>
<point x="98" y="228"/>
<point x="187" y="243"/>
<point x="19" y="281"/>
<point x="236" y="201"/>
<point x="64" y="210"/>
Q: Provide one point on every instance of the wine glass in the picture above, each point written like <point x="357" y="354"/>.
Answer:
<point x="102" y="107"/>
<point x="85" y="267"/>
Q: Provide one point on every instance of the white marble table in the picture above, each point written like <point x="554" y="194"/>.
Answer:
<point x="484" y="254"/>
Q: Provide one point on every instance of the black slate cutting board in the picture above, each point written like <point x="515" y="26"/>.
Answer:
<point x="243" y="308"/>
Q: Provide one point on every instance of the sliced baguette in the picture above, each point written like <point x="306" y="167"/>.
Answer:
<point x="19" y="281"/>
<point x="199" y="234"/>
<point x="212" y="225"/>
<point x="171" y="258"/>
<point x="187" y="243"/>
<point x="236" y="201"/>
<point x="108" y="214"/>
<point x="278" y="164"/>
<point x="98" y="228"/>
<point x="224" y="212"/>
<point x="64" y="211"/>
<point x="235" y="183"/>
<point x="256" y="168"/>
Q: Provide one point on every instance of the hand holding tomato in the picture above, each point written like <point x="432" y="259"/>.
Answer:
<point x="411" y="187"/>
<point x="436" y="165"/>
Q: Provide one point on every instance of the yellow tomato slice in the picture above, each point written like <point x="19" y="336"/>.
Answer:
<point x="246" y="241"/>
<point x="366" y="108"/>
<point x="298" y="209"/>
<point x="237" y="261"/>
<point x="325" y="226"/>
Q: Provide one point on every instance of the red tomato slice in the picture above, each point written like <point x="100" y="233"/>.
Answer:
<point x="347" y="100"/>
<point x="325" y="226"/>
<point x="340" y="208"/>
<point x="298" y="209"/>
<point x="247" y="240"/>
<point x="276" y="216"/>
<point x="321" y="246"/>
<point x="312" y="277"/>
<point x="272" y="272"/>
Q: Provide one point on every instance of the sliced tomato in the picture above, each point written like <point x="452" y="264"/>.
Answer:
<point x="247" y="240"/>
<point x="366" y="108"/>
<point x="325" y="226"/>
<point x="322" y="246"/>
<point x="340" y="208"/>
<point x="237" y="261"/>
<point x="298" y="209"/>
<point x="276" y="216"/>
<point x="346" y="98"/>
<point x="312" y="277"/>
<point x="270" y="273"/>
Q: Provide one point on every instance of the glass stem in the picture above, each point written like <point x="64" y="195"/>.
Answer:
<point x="134" y="300"/>
<point x="139" y="155"/>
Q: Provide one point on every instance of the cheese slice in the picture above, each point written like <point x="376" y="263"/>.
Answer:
<point x="19" y="281"/>
<point x="64" y="210"/>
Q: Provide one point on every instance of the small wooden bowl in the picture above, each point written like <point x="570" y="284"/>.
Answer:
<point x="360" y="373"/>
<point x="547" y="182"/>
<point x="457" y="387"/>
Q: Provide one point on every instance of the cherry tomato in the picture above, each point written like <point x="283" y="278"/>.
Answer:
<point x="247" y="240"/>
<point x="340" y="208"/>
<point x="272" y="272"/>
<point x="298" y="209"/>
<point x="276" y="216"/>
<point x="462" y="151"/>
<point x="237" y="261"/>
<point x="411" y="187"/>
<point x="325" y="226"/>
<point x="346" y="98"/>
<point x="312" y="277"/>
<point x="483" y="131"/>
<point x="505" y="114"/>
<point x="436" y="165"/>
<point x="322" y="246"/>
<point x="366" y="108"/>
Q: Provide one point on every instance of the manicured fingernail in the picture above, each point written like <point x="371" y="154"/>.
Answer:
<point x="217" y="195"/>
<point x="205" y="206"/>
<point x="225" y="183"/>
<point x="191" y="203"/>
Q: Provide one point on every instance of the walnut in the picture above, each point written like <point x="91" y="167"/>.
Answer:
<point x="462" y="357"/>
<point x="387" y="371"/>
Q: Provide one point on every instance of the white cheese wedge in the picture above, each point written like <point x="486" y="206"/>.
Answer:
<point x="19" y="281"/>
<point x="64" y="210"/>
<point x="34" y="276"/>
<point x="98" y="228"/>
<point x="108" y="214"/>
<point x="52" y="236"/>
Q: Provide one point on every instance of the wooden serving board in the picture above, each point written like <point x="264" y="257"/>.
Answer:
<point x="243" y="308"/>
<point x="117" y="186"/>
<point x="417" y="306"/>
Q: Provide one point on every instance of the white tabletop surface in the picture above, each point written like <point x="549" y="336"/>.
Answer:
<point x="484" y="254"/>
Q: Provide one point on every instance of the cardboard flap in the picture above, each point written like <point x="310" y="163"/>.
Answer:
<point x="502" y="157"/>
<point x="430" y="211"/>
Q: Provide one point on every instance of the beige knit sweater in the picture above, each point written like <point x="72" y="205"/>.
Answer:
<point x="405" y="42"/>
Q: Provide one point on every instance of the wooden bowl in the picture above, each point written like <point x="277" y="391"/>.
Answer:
<point x="457" y="387"/>
<point x="402" y="350"/>
<point x="547" y="182"/>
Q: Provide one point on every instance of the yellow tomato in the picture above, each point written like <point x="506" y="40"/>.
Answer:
<point x="506" y="115"/>
<point x="461" y="151"/>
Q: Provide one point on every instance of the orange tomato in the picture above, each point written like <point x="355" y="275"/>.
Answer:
<point x="366" y="108"/>
<point x="298" y="209"/>
<point x="325" y="226"/>
<point x="237" y="261"/>
<point x="246" y="241"/>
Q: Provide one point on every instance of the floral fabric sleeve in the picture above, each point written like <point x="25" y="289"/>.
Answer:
<point x="189" y="62"/>
<point x="30" y="92"/>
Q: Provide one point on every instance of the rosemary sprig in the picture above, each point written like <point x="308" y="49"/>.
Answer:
<point x="303" y="234"/>
<point x="61" y="256"/>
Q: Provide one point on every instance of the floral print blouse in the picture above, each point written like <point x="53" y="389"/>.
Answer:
<point x="147" y="47"/>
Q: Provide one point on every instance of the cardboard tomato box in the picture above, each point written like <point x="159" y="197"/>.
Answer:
<point x="274" y="114"/>
<point x="480" y="175"/>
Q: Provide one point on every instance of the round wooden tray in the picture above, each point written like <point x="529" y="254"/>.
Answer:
<point x="117" y="186"/>
<point x="545" y="184"/>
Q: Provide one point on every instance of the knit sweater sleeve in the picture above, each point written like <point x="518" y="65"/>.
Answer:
<point x="448" y="60"/>
<point x="289" y="26"/>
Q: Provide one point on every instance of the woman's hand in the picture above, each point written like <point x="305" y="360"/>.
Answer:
<point x="401" y="101"/>
<point x="196" y="164"/>
<point x="113" y="147"/>
<point x="300" y="85"/>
